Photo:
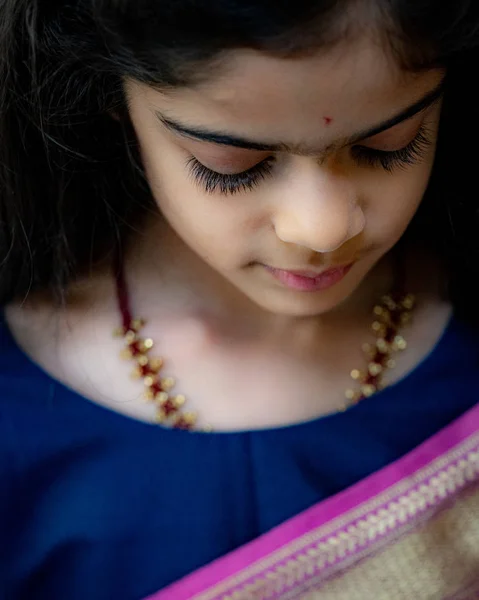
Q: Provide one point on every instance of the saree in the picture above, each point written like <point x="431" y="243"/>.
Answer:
<point x="408" y="531"/>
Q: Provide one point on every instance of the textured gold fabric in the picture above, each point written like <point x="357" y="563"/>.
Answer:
<point x="417" y="539"/>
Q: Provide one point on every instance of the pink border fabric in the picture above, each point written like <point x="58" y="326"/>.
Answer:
<point x="299" y="531"/>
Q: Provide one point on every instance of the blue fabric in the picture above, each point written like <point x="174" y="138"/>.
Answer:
<point x="97" y="506"/>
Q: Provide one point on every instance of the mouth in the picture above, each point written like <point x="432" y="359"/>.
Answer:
<point x="309" y="281"/>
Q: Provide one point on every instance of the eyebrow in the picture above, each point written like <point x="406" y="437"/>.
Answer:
<point x="225" y="139"/>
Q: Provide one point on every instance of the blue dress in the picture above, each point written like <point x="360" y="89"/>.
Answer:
<point x="95" y="505"/>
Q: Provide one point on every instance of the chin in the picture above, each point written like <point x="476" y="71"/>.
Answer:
<point x="290" y="303"/>
<point x="301" y="305"/>
<point x="281" y="301"/>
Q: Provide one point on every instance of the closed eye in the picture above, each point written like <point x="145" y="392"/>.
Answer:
<point x="390" y="159"/>
<point x="228" y="184"/>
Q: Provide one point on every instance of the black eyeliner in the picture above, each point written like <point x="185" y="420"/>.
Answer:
<point x="391" y="159"/>
<point x="212" y="181"/>
<point x="229" y="184"/>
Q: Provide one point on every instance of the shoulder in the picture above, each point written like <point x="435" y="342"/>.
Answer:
<point x="46" y="340"/>
<point x="30" y="427"/>
<point x="20" y="378"/>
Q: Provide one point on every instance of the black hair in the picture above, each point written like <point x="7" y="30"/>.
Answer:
<point x="71" y="183"/>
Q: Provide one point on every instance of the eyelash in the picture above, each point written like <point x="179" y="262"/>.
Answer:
<point x="225" y="184"/>
<point x="230" y="184"/>
<point x="390" y="160"/>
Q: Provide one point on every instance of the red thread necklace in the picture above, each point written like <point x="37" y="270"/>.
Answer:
<point x="390" y="315"/>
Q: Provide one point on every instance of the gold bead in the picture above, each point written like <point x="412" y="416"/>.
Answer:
<point x="156" y="364"/>
<point x="130" y="337"/>
<point x="162" y="397"/>
<point x="408" y="302"/>
<point x="368" y="349"/>
<point x="149" y="380"/>
<point x="126" y="354"/>
<point x="378" y="310"/>
<point x="391" y="363"/>
<point x="160" y="417"/>
<point x="207" y="428"/>
<point x="137" y="324"/>
<point x="180" y="400"/>
<point x="136" y="374"/>
<point x="167" y="383"/>
<point x="146" y="345"/>
<point x="356" y="374"/>
<point x="405" y="318"/>
<point x="119" y="332"/>
<point x="148" y="395"/>
<point x="351" y="394"/>
<point x="190" y="418"/>
<point x="374" y="369"/>
<point x="382" y="345"/>
<point x="400" y="343"/>
<point x="389" y="302"/>
<point x="379" y="329"/>
<point x="368" y="389"/>
<point x="142" y="360"/>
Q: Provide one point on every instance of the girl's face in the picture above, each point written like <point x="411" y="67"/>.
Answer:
<point x="314" y="165"/>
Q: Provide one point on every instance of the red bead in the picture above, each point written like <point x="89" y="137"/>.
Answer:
<point x="390" y="334"/>
<point x="156" y="388"/>
<point x="169" y="408"/>
<point x="182" y="423"/>
<point x="135" y="348"/>
<point x="145" y="370"/>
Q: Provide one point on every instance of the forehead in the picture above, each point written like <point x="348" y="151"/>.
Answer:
<point x="263" y="97"/>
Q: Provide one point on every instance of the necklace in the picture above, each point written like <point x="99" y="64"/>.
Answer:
<point x="391" y="314"/>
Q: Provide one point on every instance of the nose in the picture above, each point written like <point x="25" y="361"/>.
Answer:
<point x="320" y="211"/>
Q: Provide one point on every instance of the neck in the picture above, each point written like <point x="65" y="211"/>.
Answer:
<point x="184" y="283"/>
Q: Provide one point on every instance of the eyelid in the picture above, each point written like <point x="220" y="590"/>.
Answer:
<point x="402" y="140"/>
<point x="238" y="170"/>
<point x="213" y="181"/>
<point x="209" y="153"/>
<point x="404" y="156"/>
<point x="233" y="170"/>
<point x="419" y="117"/>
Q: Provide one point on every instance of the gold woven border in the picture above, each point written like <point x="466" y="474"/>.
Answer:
<point x="363" y="527"/>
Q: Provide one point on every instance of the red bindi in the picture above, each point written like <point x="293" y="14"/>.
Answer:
<point x="327" y="120"/>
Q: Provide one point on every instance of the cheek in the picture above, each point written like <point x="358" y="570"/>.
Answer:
<point x="215" y="227"/>
<point x="394" y="201"/>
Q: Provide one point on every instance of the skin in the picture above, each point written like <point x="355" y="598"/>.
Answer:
<point x="196" y="272"/>
<point x="315" y="211"/>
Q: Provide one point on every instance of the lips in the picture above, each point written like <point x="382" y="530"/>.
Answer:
<point x="310" y="274"/>
<point x="309" y="281"/>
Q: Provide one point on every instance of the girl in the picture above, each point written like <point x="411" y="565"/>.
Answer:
<point x="286" y="193"/>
